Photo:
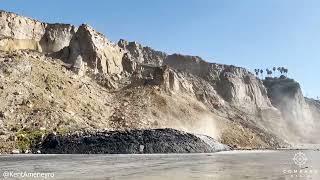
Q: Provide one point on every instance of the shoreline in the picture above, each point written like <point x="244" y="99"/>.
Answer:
<point x="142" y="154"/>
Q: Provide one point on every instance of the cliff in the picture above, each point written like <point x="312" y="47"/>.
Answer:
<point x="61" y="78"/>
<point x="18" y="32"/>
<point x="298" y="119"/>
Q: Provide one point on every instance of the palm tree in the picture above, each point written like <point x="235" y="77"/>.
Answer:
<point x="261" y="71"/>
<point x="256" y="71"/>
<point x="279" y="69"/>
<point x="269" y="72"/>
<point x="285" y="70"/>
<point x="274" y="70"/>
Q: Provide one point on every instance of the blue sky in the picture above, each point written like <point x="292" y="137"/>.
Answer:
<point x="248" y="33"/>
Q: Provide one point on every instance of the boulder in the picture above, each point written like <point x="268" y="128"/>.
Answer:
<point x="15" y="151"/>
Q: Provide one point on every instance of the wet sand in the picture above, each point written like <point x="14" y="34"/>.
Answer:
<point x="221" y="165"/>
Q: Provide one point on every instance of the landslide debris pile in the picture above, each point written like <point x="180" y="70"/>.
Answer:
<point x="62" y="78"/>
<point x="126" y="142"/>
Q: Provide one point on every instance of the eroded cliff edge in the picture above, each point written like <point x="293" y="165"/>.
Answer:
<point x="61" y="78"/>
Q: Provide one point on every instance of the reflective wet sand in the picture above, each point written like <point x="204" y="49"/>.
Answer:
<point x="222" y="165"/>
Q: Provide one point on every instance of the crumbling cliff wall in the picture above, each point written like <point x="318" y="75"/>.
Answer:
<point x="27" y="33"/>
<point x="286" y="95"/>
<point x="127" y="85"/>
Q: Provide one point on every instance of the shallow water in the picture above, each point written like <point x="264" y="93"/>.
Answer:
<point x="221" y="165"/>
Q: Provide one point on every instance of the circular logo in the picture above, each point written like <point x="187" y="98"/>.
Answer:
<point x="300" y="159"/>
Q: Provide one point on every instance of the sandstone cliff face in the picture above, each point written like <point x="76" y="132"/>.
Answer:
<point x="93" y="48"/>
<point x="26" y="33"/>
<point x="128" y="86"/>
<point x="81" y="45"/>
<point x="19" y="27"/>
<point x="234" y="85"/>
<point x="232" y="92"/>
<point x="9" y="44"/>
<point x="142" y="55"/>
<point x="314" y="106"/>
<point x="56" y="37"/>
<point x="286" y="95"/>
